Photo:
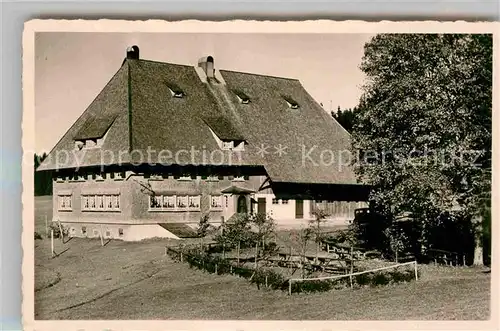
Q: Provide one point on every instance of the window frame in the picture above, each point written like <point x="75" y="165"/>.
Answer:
<point x="177" y="207"/>
<point x="101" y="202"/>
<point x="219" y="206"/>
<point x="65" y="202"/>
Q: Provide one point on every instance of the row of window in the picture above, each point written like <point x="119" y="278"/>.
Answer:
<point x="193" y="177"/>
<point x="91" y="202"/>
<point x="121" y="176"/>
<point x="243" y="98"/>
<point x="100" y="176"/>
<point x="111" y="202"/>
<point x="277" y="201"/>
<point x="96" y="232"/>
<point x="98" y="202"/>
<point x="182" y="202"/>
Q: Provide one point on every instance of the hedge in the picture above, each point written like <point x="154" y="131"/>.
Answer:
<point x="375" y="279"/>
<point x="213" y="264"/>
<point x="269" y="278"/>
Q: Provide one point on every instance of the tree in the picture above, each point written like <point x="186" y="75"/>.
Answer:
<point x="204" y="228"/>
<point x="315" y="226"/>
<point x="43" y="180"/>
<point x="423" y="126"/>
<point x="265" y="226"/>
<point x="396" y="238"/>
<point x="304" y="236"/>
<point x="234" y="232"/>
<point x="346" y="117"/>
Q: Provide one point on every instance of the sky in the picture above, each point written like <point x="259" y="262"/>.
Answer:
<point x="71" y="68"/>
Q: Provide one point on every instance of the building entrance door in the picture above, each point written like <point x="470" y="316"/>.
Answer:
<point x="242" y="205"/>
<point x="261" y="206"/>
<point x="299" y="208"/>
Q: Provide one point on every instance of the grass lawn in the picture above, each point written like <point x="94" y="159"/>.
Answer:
<point x="43" y="209"/>
<point x="135" y="281"/>
<point x="125" y="280"/>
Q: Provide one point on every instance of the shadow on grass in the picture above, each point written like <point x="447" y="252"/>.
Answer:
<point x="61" y="253"/>
<point x="106" y="293"/>
<point x="67" y="241"/>
<point x="52" y="283"/>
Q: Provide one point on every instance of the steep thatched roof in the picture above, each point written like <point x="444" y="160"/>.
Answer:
<point x="138" y="112"/>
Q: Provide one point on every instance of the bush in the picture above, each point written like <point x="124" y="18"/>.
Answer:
<point x="38" y="236"/>
<point x="312" y="286"/>
<point x="199" y="259"/>
<point x="270" y="248"/>
<point x="403" y="276"/>
<point x="54" y="226"/>
<point x="363" y="279"/>
<point x="274" y="279"/>
<point x="380" y="279"/>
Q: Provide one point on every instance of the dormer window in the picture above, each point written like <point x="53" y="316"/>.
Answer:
<point x="89" y="143"/>
<point x="227" y="145"/>
<point x="292" y="104"/>
<point x="79" y="145"/>
<point x="175" y="90"/>
<point x="242" y="96"/>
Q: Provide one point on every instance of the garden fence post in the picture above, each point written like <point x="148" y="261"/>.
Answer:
<point x="216" y="268"/>
<point x="46" y="227"/>
<point x="256" y="253"/>
<point x="266" y="280"/>
<point x="181" y="256"/>
<point x="416" y="271"/>
<point x="352" y="264"/>
<point x="290" y="287"/>
<point x="52" y="242"/>
<point x="61" y="231"/>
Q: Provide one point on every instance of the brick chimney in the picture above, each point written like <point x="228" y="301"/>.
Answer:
<point x="207" y="64"/>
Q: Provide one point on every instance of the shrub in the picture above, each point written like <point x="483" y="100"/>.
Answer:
<point x="270" y="248"/>
<point x="402" y="276"/>
<point x="38" y="236"/>
<point x="274" y="279"/>
<point x="311" y="286"/>
<point x="243" y="272"/>
<point x="398" y="276"/>
<point x="380" y="279"/>
<point x="363" y="279"/>
<point x="54" y="226"/>
<point x="199" y="259"/>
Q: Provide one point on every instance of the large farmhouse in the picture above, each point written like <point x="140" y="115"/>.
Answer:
<point x="164" y="144"/>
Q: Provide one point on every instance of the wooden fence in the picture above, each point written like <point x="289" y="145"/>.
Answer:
<point x="350" y="275"/>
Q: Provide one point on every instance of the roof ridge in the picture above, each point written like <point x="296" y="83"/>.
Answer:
<point x="227" y="70"/>
<point x="160" y="62"/>
<point x="262" y="75"/>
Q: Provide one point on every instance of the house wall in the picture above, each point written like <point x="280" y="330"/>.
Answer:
<point x="141" y="212"/>
<point x="77" y="188"/>
<point x="126" y="232"/>
<point x="135" y="191"/>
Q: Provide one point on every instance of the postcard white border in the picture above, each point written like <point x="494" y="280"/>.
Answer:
<point x="236" y="26"/>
